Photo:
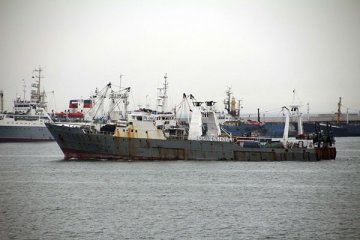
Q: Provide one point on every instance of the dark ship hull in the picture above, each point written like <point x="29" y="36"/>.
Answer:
<point x="276" y="129"/>
<point x="270" y="129"/>
<point x="341" y="130"/>
<point x="24" y="134"/>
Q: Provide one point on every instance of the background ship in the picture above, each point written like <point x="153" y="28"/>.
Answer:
<point x="342" y="125"/>
<point x="27" y="121"/>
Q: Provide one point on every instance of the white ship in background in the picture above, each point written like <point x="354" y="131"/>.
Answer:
<point x="26" y="122"/>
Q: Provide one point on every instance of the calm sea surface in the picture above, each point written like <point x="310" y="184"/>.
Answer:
<point x="44" y="197"/>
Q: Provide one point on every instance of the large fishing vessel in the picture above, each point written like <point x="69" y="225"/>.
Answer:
<point x="27" y="120"/>
<point x="153" y="135"/>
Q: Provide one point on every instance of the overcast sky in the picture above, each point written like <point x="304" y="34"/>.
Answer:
<point x="262" y="49"/>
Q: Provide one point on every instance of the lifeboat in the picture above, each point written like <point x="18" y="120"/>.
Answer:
<point x="76" y="115"/>
<point x="69" y="115"/>
<point x="60" y="114"/>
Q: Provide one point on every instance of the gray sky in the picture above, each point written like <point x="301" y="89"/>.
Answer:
<point x="262" y="49"/>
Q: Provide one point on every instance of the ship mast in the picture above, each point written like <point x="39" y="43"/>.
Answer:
<point x="117" y="98"/>
<point x="37" y="85"/>
<point x="162" y="96"/>
<point x="124" y="96"/>
<point x="295" y="112"/>
<point x="24" y="89"/>
<point x="1" y="101"/>
<point x="227" y="101"/>
<point x="338" y="114"/>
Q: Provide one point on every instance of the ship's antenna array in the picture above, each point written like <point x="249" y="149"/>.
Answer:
<point x="162" y="96"/>
<point x="36" y="94"/>
<point x="24" y="89"/>
<point x="37" y="84"/>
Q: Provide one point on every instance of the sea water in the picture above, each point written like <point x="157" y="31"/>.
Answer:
<point x="44" y="197"/>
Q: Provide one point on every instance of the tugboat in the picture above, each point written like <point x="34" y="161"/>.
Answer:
<point x="142" y="137"/>
<point x="27" y="121"/>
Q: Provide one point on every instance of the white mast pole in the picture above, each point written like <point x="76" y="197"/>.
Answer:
<point x="164" y="105"/>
